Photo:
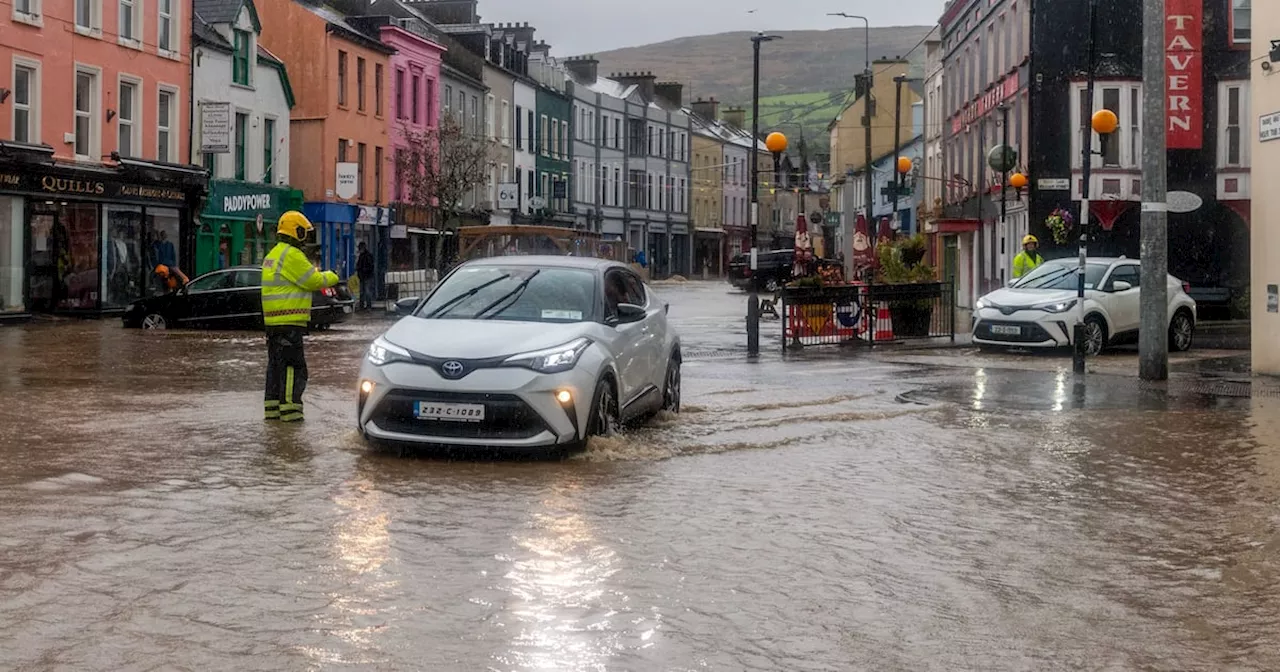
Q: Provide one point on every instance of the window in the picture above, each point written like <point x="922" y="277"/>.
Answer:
<point x="87" y="18"/>
<point x="415" y="90"/>
<point x="1135" y="117"/>
<point x="448" y="98"/>
<point x="360" y="154"/>
<point x="490" y="128"/>
<point x="1111" y="101"/>
<point x="544" y="147"/>
<point x="268" y="149"/>
<point x="240" y="59"/>
<point x="400" y="93"/>
<point x="166" y="108"/>
<point x="29" y="9"/>
<point x="377" y="174"/>
<point x="648" y="190"/>
<point x="520" y="129"/>
<point x="342" y="150"/>
<point x="617" y="184"/>
<point x="377" y="89"/>
<point x="430" y="109"/>
<point x="1241" y="32"/>
<point x="582" y="121"/>
<point x="475" y="114"/>
<point x="529" y="129"/>
<point x="564" y="139"/>
<point x="545" y="186"/>
<point x="635" y="136"/>
<point x="506" y="122"/>
<point x="530" y="183"/>
<point x="617" y="133"/>
<point x="683" y="189"/>
<point x="129" y="19"/>
<point x="1234" y="101"/>
<point x="342" y="78"/>
<point x="360" y="84"/>
<point x="86" y="113"/>
<point x="127" y="118"/>
<point x="1129" y="273"/>
<point x="241" y="148"/>
<point x="165" y="37"/>
<point x="26" y="115"/>
<point x="1122" y="98"/>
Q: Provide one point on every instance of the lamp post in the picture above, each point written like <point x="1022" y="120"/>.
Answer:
<point x="753" y="301"/>
<point x="868" y="80"/>
<point x="1077" y="357"/>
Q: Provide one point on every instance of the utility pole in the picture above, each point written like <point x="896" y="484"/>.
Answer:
<point x="1086" y="153"/>
<point x="897" y="144"/>
<point x="753" y="301"/>
<point x="1004" y="180"/>
<point x="1153" y="336"/>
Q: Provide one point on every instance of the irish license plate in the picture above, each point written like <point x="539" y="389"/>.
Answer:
<point x="1006" y="330"/>
<point x="346" y="309"/>
<point x="430" y="410"/>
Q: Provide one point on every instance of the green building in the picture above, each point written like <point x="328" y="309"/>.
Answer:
<point x="554" y="153"/>
<point x="238" y="225"/>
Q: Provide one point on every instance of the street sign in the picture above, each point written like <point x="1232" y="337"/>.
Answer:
<point x="1183" y="201"/>
<point x="1053" y="184"/>
<point x="508" y="196"/>
<point x="537" y="202"/>
<point x="1269" y="127"/>
<point x="215" y="127"/>
<point x="1002" y="158"/>
<point x="347" y="179"/>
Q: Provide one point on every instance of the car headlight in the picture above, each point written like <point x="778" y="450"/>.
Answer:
<point x="552" y="360"/>
<point x="1059" y="307"/>
<point x="982" y="303"/>
<point x="382" y="351"/>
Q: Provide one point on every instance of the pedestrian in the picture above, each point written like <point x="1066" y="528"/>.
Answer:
<point x="1028" y="259"/>
<point x="170" y="278"/>
<point x="364" y="272"/>
<point x="288" y="280"/>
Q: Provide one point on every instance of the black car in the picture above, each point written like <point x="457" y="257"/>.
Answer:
<point x="773" y="270"/>
<point x="230" y="298"/>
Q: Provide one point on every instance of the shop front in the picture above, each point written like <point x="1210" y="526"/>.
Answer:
<point x="76" y="239"/>
<point x="238" y="225"/>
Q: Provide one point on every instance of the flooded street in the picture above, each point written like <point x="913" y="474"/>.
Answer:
<point x="822" y="512"/>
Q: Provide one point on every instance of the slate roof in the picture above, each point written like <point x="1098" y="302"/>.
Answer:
<point x="218" y="11"/>
<point x="205" y="33"/>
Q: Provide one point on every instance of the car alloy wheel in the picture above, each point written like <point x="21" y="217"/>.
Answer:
<point x="1095" y="336"/>
<point x="604" y="414"/>
<point x="154" y="321"/>
<point x="1181" y="332"/>
<point x="771" y="285"/>
<point x="671" y="387"/>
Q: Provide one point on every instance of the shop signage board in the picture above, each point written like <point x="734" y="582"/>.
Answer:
<point x="215" y="127"/>
<point x="347" y="179"/>
<point x="367" y="215"/>
<point x="90" y="188"/>
<point x="1184" y="73"/>
<point x="245" y="200"/>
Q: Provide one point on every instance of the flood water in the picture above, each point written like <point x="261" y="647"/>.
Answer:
<point x="797" y="516"/>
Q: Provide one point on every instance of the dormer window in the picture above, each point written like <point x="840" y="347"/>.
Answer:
<point x="240" y="59"/>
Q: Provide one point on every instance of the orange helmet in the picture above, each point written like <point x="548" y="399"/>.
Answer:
<point x="162" y="271"/>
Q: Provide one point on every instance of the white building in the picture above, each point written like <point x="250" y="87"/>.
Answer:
<point x="230" y="66"/>
<point x="525" y="141"/>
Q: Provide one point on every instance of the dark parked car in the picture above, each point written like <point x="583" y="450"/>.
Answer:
<point x="230" y="298"/>
<point x="773" y="270"/>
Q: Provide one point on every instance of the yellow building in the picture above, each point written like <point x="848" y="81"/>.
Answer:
<point x="1265" y="237"/>
<point x="848" y="135"/>
<point x="707" y="190"/>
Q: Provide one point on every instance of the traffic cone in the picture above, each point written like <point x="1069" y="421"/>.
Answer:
<point x="884" y="323"/>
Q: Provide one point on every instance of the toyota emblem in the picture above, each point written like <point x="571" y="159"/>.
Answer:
<point x="452" y="369"/>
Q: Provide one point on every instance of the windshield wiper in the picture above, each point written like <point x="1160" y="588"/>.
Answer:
<point x="513" y="295"/>
<point x="1046" y="279"/>
<point x="467" y="294"/>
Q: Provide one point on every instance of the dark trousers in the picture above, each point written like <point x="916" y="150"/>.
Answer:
<point x="286" y="373"/>
<point x="366" y="292"/>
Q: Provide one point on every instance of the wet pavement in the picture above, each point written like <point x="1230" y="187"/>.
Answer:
<point x="895" y="510"/>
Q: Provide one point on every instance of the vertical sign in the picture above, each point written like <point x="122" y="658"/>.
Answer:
<point x="1184" y="65"/>
<point x="215" y="127"/>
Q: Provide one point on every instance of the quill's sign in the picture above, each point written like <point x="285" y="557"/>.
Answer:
<point x="1184" y="66"/>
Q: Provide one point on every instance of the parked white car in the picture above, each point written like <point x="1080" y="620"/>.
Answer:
<point x="522" y="352"/>
<point x="1041" y="309"/>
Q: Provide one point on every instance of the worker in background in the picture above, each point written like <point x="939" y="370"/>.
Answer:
<point x="288" y="279"/>
<point x="170" y="278"/>
<point x="1028" y="259"/>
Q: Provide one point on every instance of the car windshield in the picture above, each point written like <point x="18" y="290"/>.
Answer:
<point x="514" y="293"/>
<point x="1062" y="275"/>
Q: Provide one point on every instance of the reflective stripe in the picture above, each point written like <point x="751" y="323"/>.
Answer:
<point x="288" y="296"/>
<point x="272" y="404"/>
<point x="272" y="415"/>
<point x="291" y="417"/>
<point x="288" y="389"/>
<point x="302" y="279"/>
<point x="289" y="311"/>
<point x="285" y="408"/>
<point x="278" y="282"/>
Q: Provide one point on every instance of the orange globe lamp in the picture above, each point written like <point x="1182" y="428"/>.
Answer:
<point x="776" y="143"/>
<point x="1105" y="122"/>
<point x="1018" y="181"/>
<point x="904" y="165"/>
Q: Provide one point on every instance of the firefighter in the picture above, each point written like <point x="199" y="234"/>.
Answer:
<point x="288" y="279"/>
<point x="1028" y="259"/>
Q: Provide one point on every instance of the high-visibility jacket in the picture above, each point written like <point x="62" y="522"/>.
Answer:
<point x="1025" y="263"/>
<point x="288" y="279"/>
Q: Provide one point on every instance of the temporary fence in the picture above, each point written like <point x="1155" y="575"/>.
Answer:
<point x="867" y="314"/>
<point x="406" y="284"/>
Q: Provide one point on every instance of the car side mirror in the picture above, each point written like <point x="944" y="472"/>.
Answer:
<point x="405" y="306"/>
<point x="1120" y="286"/>
<point x="630" y="312"/>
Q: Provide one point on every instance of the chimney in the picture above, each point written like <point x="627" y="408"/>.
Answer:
<point x="736" y="117"/>
<point x="672" y="92"/>
<point x="585" y="68"/>
<point x="647" y="82"/>
<point x="707" y="109"/>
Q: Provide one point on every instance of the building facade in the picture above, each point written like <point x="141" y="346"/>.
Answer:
<point x="1264" y="145"/>
<point x="554" y="134"/>
<point x="238" y="81"/>
<point x="707" y="194"/>
<point x="94" y="185"/>
<point x="341" y="117"/>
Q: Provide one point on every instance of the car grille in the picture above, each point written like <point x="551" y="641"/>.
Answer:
<point x="1031" y="332"/>
<point x="506" y="416"/>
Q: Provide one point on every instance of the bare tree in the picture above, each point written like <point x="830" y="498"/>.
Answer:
<point x="440" y="168"/>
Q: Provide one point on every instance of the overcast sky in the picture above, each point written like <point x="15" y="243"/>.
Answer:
<point x="574" y="27"/>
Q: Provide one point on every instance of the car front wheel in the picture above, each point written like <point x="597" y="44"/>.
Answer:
<point x="1181" y="332"/>
<point x="671" y="387"/>
<point x="1095" y="336"/>
<point x="604" y="411"/>
<point x="154" y="321"/>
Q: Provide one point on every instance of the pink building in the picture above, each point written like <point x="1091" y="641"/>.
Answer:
<point x="94" y="118"/>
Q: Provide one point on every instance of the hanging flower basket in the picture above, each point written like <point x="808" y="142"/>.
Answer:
<point x="1060" y="222"/>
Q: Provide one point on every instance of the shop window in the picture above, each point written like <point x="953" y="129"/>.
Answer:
<point x="162" y="231"/>
<point x="122" y="256"/>
<point x="64" y="256"/>
<point x="12" y="268"/>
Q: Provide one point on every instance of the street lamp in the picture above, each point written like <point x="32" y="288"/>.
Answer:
<point x="753" y="301"/>
<point x="868" y="79"/>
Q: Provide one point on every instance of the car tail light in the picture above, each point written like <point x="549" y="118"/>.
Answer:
<point x="329" y="292"/>
<point x="1186" y="287"/>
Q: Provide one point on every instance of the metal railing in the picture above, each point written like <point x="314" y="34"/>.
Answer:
<point x="867" y="314"/>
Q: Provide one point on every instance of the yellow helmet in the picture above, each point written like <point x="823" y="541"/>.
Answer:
<point x="1029" y="239"/>
<point x="295" y="225"/>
